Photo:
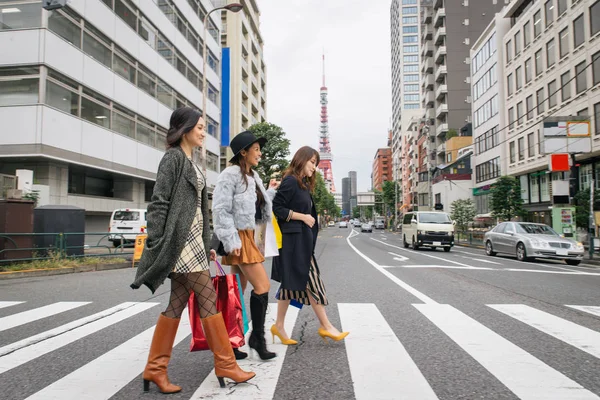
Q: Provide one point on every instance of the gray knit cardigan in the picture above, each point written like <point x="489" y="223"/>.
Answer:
<point x="170" y="216"/>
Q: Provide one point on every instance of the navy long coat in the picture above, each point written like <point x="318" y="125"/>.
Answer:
<point x="292" y="266"/>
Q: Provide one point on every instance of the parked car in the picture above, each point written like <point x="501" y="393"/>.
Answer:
<point x="331" y="223"/>
<point x="125" y="224"/>
<point x="366" y="227"/>
<point x="357" y="223"/>
<point x="428" y="228"/>
<point x="343" y="224"/>
<point x="379" y="225"/>
<point x="527" y="240"/>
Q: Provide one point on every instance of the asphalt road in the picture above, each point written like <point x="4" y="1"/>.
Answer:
<point x="424" y="325"/>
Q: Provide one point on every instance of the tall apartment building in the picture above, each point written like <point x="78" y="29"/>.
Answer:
<point x="353" y="189"/>
<point x="86" y="93"/>
<point x="248" y="93"/>
<point x="489" y="159"/>
<point x="346" y="209"/>
<point x="382" y="167"/>
<point x="552" y="55"/>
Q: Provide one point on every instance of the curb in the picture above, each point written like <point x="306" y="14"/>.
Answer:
<point x="32" y="273"/>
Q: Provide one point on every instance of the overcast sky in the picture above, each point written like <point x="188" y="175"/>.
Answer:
<point x="355" y="36"/>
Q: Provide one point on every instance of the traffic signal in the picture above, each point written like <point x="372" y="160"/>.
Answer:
<point x="53" y="4"/>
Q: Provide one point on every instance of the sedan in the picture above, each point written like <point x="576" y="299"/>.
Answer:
<point x="331" y="223"/>
<point x="366" y="228"/>
<point x="527" y="241"/>
<point x="343" y="224"/>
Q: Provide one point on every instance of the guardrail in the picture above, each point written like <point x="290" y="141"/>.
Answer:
<point x="59" y="245"/>
<point x="474" y="237"/>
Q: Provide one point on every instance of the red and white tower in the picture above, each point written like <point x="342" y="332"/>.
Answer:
<point x="324" y="145"/>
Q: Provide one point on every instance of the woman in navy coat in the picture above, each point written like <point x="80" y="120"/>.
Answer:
<point x="296" y="267"/>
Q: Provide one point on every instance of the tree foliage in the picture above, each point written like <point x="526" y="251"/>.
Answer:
<point x="506" y="201"/>
<point x="451" y="133"/>
<point x="324" y="201"/>
<point x="582" y="207"/>
<point x="275" y="151"/>
<point x="463" y="211"/>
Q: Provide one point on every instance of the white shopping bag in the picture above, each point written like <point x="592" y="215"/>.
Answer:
<point x="271" y="249"/>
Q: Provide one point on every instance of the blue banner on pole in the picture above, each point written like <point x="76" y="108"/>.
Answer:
<point x="225" y="95"/>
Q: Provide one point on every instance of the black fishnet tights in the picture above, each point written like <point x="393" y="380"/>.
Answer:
<point x="181" y="287"/>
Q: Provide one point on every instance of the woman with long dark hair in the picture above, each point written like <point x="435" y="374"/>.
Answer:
<point x="296" y="267"/>
<point x="240" y="201"/>
<point x="176" y="247"/>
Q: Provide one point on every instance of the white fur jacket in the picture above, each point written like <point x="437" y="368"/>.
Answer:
<point x="234" y="206"/>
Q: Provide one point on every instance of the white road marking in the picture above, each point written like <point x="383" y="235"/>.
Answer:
<point x="526" y="376"/>
<point x="417" y="266"/>
<point x="423" y="254"/>
<point x="577" y="336"/>
<point x="106" y="375"/>
<point x="28" y="349"/>
<point x="4" y="304"/>
<point x="588" y="309"/>
<point x="392" y="277"/>
<point x="465" y="252"/>
<point x="380" y="366"/>
<point x="398" y="257"/>
<point x="483" y="260"/>
<point x="25" y="317"/>
<point x="262" y="386"/>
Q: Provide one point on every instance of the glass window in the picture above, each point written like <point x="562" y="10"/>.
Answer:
<point x="580" y="77"/>
<point x="526" y="34"/>
<point x="578" y="32"/>
<point x="544" y="187"/>
<point x="411" y="88"/>
<point x="123" y="124"/>
<point x="409" y="10"/>
<point x="410" y="49"/>
<point x="509" y="52"/>
<point x="213" y="128"/>
<point x="539" y="67"/>
<point x="20" y="16"/>
<point x="127" y="14"/>
<point x="411" y="68"/>
<point x="410" y="29"/>
<point x="521" y="144"/>
<point x="585" y="176"/>
<point x="408" y="2"/>
<point x="595" y="18"/>
<point x="552" y="94"/>
<point x="537" y="23"/>
<point x="530" y="145"/>
<point x="124" y="68"/>
<point x="597" y="119"/>
<point x="410" y="39"/>
<point x="564" y="42"/>
<point x="97" y="49"/>
<point x="212" y="162"/>
<point x="147" y="84"/>
<point x="539" y="96"/>
<point x="529" y="106"/>
<point x="596" y="69"/>
<point x="409" y="59"/>
<point x="549" y="12"/>
<point x="62" y="98"/>
<point x="518" y="78"/>
<point x="145" y="132"/>
<point x="534" y="188"/>
<point x="64" y="27"/>
<point x="22" y="91"/>
<point x="513" y="156"/>
<point x="511" y="118"/>
<point x="562" y="6"/>
<point x="565" y="85"/>
<point x="148" y="32"/>
<point x="95" y="112"/>
<point x="411" y="78"/>
<point x="410" y="20"/>
<point x="517" y="42"/>
<point x="550" y="53"/>
<point x="165" y="94"/>
<point x="520" y="113"/>
<point x="524" y="188"/>
<point x="528" y="70"/>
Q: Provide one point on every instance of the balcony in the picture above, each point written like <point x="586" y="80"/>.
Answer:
<point x="440" y="35"/>
<point x="441" y="149"/>
<point x="244" y="87"/>
<point x="437" y="4"/>
<point x="440" y="15"/>
<point x="427" y="81"/>
<point x="427" y="49"/>
<point x="440" y="73"/>
<point x="428" y="98"/>
<point x="244" y="64"/>
<point x="430" y="113"/>
<point x="440" y="54"/>
<point x="441" y="110"/>
<point x="244" y="110"/>
<point x="441" y="129"/>
<point x="426" y="14"/>
<point x="441" y="91"/>
<point x="427" y="65"/>
<point x="426" y="32"/>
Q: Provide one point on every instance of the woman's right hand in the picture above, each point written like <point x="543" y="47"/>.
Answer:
<point x="309" y="220"/>
<point x="235" y="252"/>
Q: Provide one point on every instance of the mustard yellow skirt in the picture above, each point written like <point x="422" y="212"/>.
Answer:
<point x="249" y="253"/>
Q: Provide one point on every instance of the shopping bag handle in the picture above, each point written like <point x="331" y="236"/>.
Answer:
<point x="220" y="270"/>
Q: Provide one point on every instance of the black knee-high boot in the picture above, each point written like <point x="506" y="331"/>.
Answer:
<point x="258" y="312"/>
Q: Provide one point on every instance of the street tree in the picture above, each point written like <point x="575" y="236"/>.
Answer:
<point x="463" y="211"/>
<point x="506" y="201"/>
<point x="275" y="151"/>
<point x="582" y="207"/>
<point x="324" y="201"/>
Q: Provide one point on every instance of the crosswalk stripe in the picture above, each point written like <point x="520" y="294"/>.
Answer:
<point x="23" y="351"/>
<point x="4" y="304"/>
<point x="578" y="336"/>
<point x="25" y="317"/>
<point x="588" y="309"/>
<point x="106" y="375"/>
<point x="262" y="386"/>
<point x="380" y="366"/>
<point x="526" y="376"/>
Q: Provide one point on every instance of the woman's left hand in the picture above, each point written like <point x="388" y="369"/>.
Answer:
<point x="274" y="184"/>
<point x="213" y="255"/>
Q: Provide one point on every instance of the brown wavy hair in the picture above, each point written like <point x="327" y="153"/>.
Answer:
<point x="296" y="168"/>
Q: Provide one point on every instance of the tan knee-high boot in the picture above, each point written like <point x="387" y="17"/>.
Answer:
<point x="160" y="353"/>
<point x="218" y="341"/>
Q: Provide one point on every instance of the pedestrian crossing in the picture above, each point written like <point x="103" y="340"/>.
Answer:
<point x="379" y="364"/>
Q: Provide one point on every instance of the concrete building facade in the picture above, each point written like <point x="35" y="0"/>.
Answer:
<point x="382" y="167"/>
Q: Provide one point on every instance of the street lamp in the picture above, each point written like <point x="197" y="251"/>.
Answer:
<point x="233" y="7"/>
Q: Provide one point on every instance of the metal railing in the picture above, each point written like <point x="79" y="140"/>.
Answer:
<point x="471" y="237"/>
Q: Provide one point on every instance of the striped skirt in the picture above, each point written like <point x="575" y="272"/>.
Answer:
<point x="314" y="288"/>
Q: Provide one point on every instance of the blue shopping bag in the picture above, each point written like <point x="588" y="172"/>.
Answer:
<point x="244" y="314"/>
<point x="293" y="302"/>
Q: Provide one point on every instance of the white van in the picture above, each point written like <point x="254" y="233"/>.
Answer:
<point x="126" y="223"/>
<point x="428" y="228"/>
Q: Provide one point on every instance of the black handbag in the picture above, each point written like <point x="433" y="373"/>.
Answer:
<point x="217" y="245"/>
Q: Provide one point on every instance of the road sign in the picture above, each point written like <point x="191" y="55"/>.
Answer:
<point x="568" y="135"/>
<point x="140" y="243"/>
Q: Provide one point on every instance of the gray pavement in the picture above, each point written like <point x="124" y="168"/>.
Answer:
<point x="424" y="324"/>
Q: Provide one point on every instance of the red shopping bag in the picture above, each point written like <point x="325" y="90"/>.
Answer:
<point x="228" y="303"/>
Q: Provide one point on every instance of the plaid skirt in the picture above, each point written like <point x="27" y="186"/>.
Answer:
<point x="193" y="256"/>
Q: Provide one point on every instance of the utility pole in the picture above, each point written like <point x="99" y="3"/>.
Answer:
<point x="592" y="220"/>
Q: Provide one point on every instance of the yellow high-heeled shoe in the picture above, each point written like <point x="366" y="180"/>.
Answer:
<point x="325" y="334"/>
<point x="275" y="332"/>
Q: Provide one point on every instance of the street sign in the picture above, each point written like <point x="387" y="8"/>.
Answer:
<point x="140" y="243"/>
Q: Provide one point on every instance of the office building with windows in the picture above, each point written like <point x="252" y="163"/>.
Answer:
<point x="86" y="94"/>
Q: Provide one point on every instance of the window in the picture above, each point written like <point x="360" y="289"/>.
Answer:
<point x="95" y="112"/>
<point x="529" y="106"/>
<point x="562" y="6"/>
<point x="524" y="188"/>
<point x="595" y="18"/>
<point x="549" y="12"/>
<point x="521" y="146"/>
<point x="97" y="46"/>
<point x="509" y="51"/>
<point x="597" y="119"/>
<point x="539" y="67"/>
<point x="212" y="161"/>
<point x="552" y="90"/>
<point x="578" y="32"/>
<point x="564" y="42"/>
<point x="518" y="78"/>
<point x="64" y="27"/>
<point x="90" y="182"/>
<point x="123" y="122"/>
<point x="409" y="10"/>
<point x="534" y="187"/>
<point x="449" y="157"/>
<point x="585" y="176"/>
<point x="487" y="141"/>
<point x="583" y="112"/>
<point x="539" y="97"/>
<point x="530" y="145"/>
<point x="410" y="20"/>
<point x="596" y="68"/>
<point x="128" y="15"/>
<point x="565" y="85"/>
<point x="509" y="85"/>
<point x="412" y="106"/>
<point x="411" y="97"/>
<point x="528" y="70"/>
<point x="21" y="91"/>
<point x="410" y="39"/>
<point x="580" y="77"/>
<point x="511" y="118"/>
<point x="550" y="54"/>
<point x="409" y="59"/>
<point x="411" y="78"/>
<point x="518" y="43"/>
<point x="411" y="88"/>
<point x="411" y="68"/>
<point x="410" y="49"/>
<point x="526" y="34"/>
<point x="513" y="158"/>
<point x="410" y="29"/>
<point x="520" y="113"/>
<point x="62" y="98"/>
<point x="487" y="170"/>
<point x="25" y="16"/>
<point x="537" y="23"/>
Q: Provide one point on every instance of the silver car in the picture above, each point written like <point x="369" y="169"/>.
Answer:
<point x="527" y="240"/>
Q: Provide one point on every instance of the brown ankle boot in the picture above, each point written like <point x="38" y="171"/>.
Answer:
<point x="218" y="341"/>
<point x="160" y="353"/>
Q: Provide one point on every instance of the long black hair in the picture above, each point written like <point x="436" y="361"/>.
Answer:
<point x="183" y="120"/>
<point x="240" y="161"/>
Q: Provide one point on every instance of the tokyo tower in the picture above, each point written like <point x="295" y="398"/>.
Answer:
<point x="324" y="145"/>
